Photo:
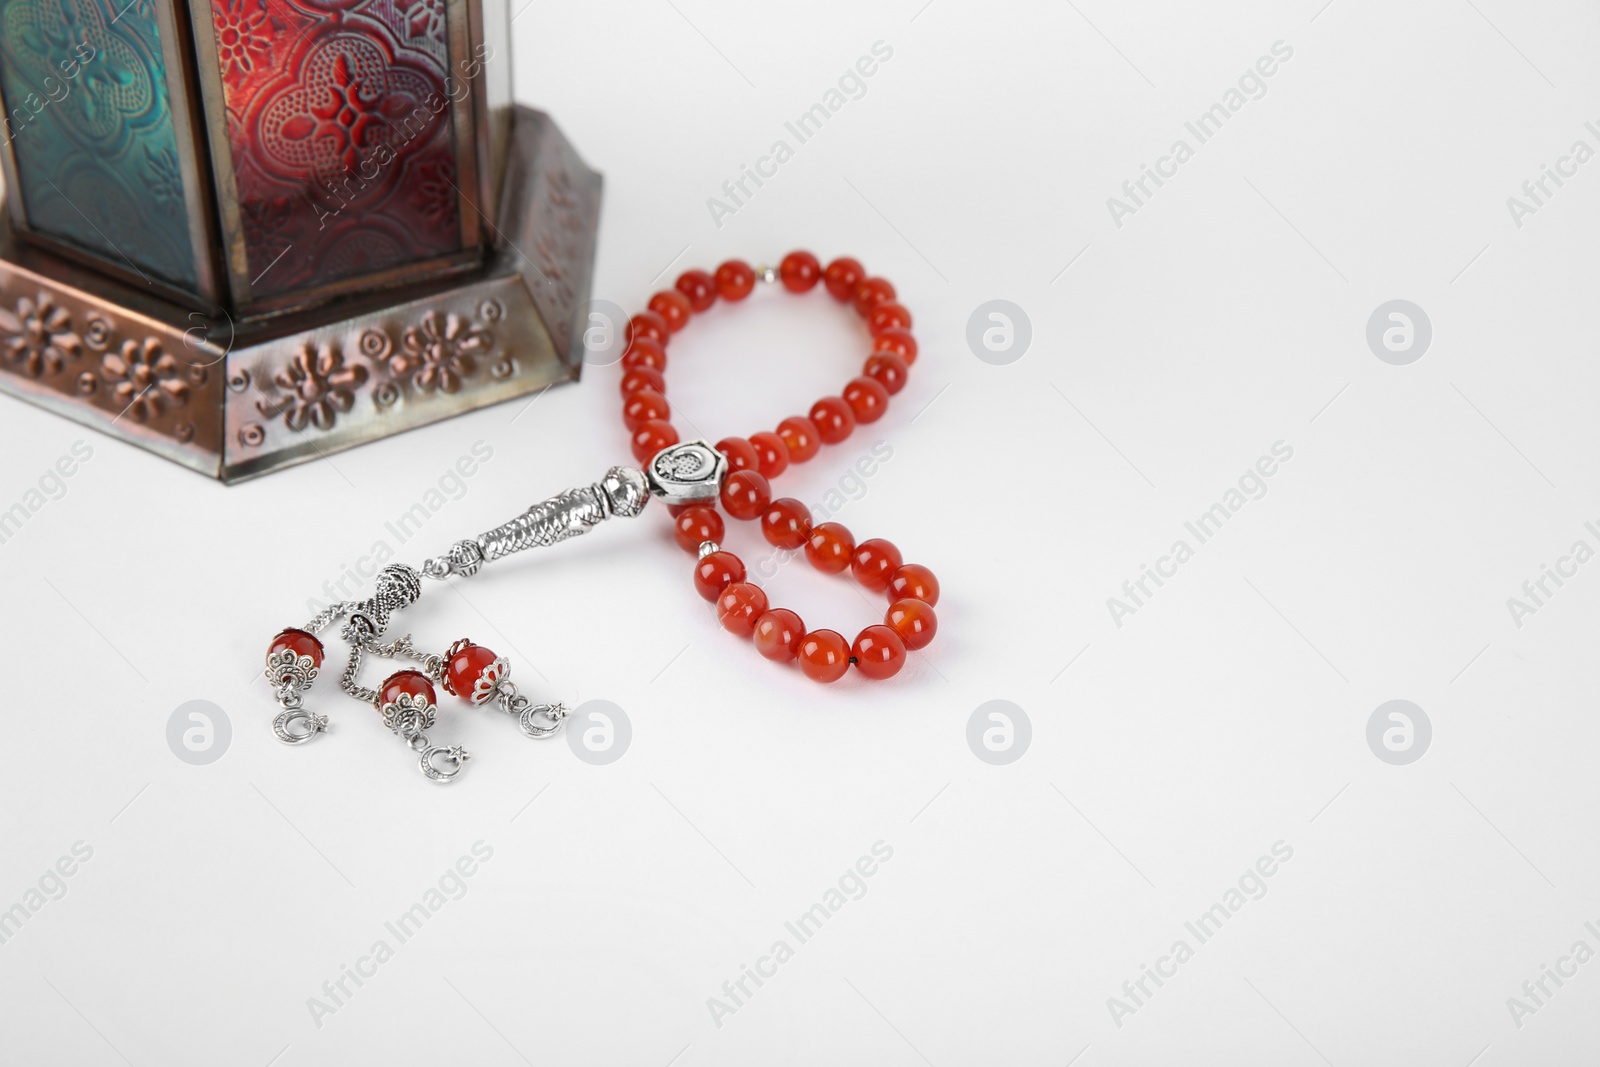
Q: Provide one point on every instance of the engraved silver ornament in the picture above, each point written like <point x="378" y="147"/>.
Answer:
<point x="687" y="473"/>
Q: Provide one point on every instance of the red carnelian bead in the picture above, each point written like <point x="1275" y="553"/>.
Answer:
<point x="462" y="672"/>
<point x="741" y="454"/>
<point x="830" y="547"/>
<point x="833" y="419"/>
<point x="914" y="581"/>
<point x="643" y="406"/>
<point x="649" y="324"/>
<point x="715" y="572"/>
<point x="745" y="495"/>
<point x="874" y="561"/>
<point x="888" y="317"/>
<point x="299" y="642"/>
<point x="872" y="292"/>
<point x="739" y="606"/>
<point x="642" y="377"/>
<point x="800" y="272"/>
<point x="672" y="306"/>
<point x="699" y="287"/>
<point x="651" y="437"/>
<point x="414" y="683"/>
<point x="914" y="621"/>
<point x="898" y="341"/>
<point x="645" y="352"/>
<point x="879" y="653"/>
<point x="824" y="655"/>
<point x="888" y="369"/>
<point x="800" y="437"/>
<point x="735" y="279"/>
<point x="694" y="524"/>
<point x="786" y="523"/>
<point x="868" y="399"/>
<point x="778" y="634"/>
<point x="772" y="455"/>
<point x="842" y="277"/>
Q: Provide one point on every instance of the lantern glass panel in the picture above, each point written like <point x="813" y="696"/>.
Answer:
<point x="90" y="132"/>
<point x="343" y="140"/>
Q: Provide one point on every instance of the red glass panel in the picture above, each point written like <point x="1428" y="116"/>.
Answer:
<point x="342" y="139"/>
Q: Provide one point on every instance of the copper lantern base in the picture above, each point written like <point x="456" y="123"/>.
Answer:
<point x="235" y="398"/>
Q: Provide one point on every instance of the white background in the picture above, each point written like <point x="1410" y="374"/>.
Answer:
<point x="1168" y="754"/>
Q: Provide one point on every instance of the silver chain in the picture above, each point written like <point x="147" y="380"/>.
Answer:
<point x="432" y="665"/>
<point x="348" y="681"/>
<point x="402" y="647"/>
<point x="327" y="615"/>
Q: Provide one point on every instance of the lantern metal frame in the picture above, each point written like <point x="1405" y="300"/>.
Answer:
<point x="237" y="418"/>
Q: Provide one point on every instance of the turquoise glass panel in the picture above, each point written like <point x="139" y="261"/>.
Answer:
<point x="89" y="119"/>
